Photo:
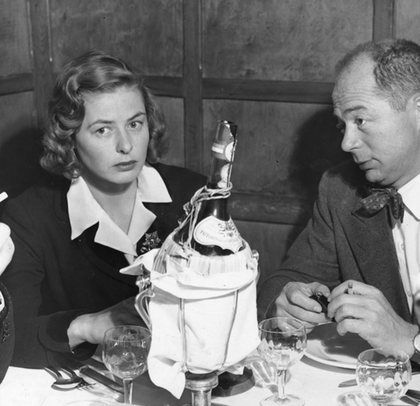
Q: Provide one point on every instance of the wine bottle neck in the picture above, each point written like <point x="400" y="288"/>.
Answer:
<point x="223" y="152"/>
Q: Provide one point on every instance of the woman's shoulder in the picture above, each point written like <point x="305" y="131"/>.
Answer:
<point x="172" y="172"/>
<point x="181" y="182"/>
<point x="45" y="194"/>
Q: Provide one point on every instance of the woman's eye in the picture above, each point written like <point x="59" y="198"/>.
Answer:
<point x="102" y="131"/>
<point x="135" y="124"/>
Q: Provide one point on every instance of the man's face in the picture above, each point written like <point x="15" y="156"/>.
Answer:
<point x="384" y="142"/>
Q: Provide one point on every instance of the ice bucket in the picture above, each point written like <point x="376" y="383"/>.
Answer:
<point x="201" y="311"/>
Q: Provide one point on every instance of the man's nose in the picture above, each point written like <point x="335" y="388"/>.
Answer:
<point x="124" y="142"/>
<point x="351" y="139"/>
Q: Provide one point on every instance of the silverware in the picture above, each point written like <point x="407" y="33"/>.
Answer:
<point x="413" y="394"/>
<point x="348" y="383"/>
<point x="102" y="379"/>
<point x="73" y="381"/>
<point x="410" y="400"/>
<point x="82" y="383"/>
<point x="88" y="371"/>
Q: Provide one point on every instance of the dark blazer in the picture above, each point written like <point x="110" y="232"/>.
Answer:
<point x="52" y="279"/>
<point x="339" y="244"/>
<point x="7" y="336"/>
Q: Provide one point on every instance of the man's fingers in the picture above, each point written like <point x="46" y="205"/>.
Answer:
<point x="353" y="288"/>
<point x="348" y="326"/>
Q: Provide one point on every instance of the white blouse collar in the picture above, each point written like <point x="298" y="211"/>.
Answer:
<point x="85" y="211"/>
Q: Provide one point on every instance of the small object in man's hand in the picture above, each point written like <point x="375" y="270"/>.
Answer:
<point x="322" y="300"/>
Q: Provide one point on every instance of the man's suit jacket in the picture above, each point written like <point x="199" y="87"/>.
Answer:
<point x="339" y="244"/>
<point x="52" y="279"/>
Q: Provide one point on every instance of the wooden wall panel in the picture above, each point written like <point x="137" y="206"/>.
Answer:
<point x="270" y="240"/>
<point x="147" y="33"/>
<point x="14" y="38"/>
<point x="265" y="64"/>
<point x="407" y="17"/>
<point x="173" y="110"/>
<point x="282" y="147"/>
<point x="281" y="39"/>
<point x="19" y="142"/>
<point x="16" y="115"/>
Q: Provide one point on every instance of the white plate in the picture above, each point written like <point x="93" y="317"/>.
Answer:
<point x="326" y="346"/>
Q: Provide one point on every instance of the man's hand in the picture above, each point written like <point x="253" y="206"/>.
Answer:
<point x="91" y="327"/>
<point x="367" y="313"/>
<point x="295" y="301"/>
<point x="7" y="247"/>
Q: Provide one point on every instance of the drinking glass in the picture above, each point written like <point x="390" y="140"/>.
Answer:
<point x="124" y="352"/>
<point x="383" y="376"/>
<point x="283" y="341"/>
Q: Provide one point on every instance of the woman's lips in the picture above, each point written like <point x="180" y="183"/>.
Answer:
<point x="126" y="166"/>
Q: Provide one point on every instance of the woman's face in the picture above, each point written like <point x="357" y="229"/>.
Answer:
<point x="112" y="142"/>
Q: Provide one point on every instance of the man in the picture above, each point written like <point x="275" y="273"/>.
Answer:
<point x="352" y="244"/>
<point x="6" y="315"/>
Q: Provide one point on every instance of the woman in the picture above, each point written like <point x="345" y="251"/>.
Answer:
<point x="113" y="202"/>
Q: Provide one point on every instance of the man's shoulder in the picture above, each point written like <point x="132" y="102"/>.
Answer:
<point x="343" y="184"/>
<point x="345" y="176"/>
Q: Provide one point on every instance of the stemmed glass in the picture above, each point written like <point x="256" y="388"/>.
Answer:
<point x="383" y="376"/>
<point x="283" y="341"/>
<point x="124" y="352"/>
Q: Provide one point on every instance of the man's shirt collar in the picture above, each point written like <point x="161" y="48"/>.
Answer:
<point x="410" y="194"/>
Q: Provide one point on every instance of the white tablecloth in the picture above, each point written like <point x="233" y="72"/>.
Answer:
<point x="316" y="383"/>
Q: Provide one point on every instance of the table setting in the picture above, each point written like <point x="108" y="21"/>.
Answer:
<point x="325" y="375"/>
<point x="203" y="345"/>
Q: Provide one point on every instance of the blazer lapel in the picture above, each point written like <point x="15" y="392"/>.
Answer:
<point x="104" y="259"/>
<point x="372" y="243"/>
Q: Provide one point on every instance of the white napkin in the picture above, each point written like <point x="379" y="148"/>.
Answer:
<point x="220" y="319"/>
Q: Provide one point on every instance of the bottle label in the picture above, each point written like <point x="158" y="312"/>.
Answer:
<point x="213" y="231"/>
<point x="224" y="150"/>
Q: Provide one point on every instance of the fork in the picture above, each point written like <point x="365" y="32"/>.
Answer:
<point x="72" y="382"/>
<point x="82" y="383"/>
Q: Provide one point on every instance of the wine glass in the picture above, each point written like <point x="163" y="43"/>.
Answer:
<point x="383" y="376"/>
<point x="283" y="341"/>
<point x="124" y="352"/>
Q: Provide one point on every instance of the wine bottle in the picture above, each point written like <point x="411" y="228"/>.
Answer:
<point x="211" y="231"/>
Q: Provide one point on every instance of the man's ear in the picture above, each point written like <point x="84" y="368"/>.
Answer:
<point x="416" y="101"/>
<point x="416" y="104"/>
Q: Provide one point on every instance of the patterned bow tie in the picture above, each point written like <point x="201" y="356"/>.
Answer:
<point x="381" y="197"/>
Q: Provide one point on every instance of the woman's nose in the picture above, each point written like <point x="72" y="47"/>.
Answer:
<point x="124" y="143"/>
<point x="351" y="139"/>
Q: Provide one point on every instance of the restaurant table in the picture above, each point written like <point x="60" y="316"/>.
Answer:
<point x="316" y="383"/>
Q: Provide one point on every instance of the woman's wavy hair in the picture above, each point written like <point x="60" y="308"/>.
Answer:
<point x="93" y="72"/>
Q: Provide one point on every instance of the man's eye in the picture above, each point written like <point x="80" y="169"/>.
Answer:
<point x="359" y="122"/>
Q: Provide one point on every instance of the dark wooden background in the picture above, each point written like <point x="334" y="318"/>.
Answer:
<point x="265" y="64"/>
